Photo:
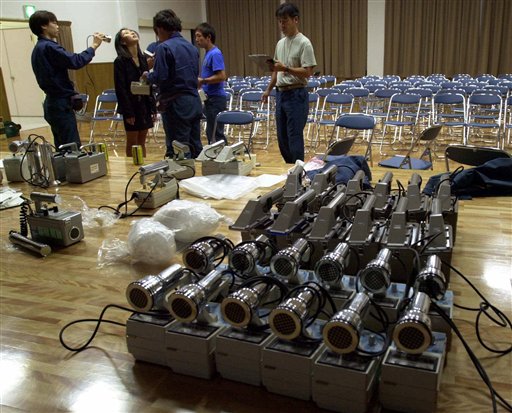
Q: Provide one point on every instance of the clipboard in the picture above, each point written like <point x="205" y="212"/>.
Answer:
<point x="262" y="60"/>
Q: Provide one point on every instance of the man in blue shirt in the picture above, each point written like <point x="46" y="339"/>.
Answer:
<point x="175" y="72"/>
<point x="50" y="63"/>
<point x="212" y="80"/>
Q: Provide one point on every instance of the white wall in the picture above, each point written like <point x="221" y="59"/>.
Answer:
<point x="376" y="17"/>
<point x="106" y="16"/>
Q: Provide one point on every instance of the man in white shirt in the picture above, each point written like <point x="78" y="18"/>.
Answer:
<point x="294" y="60"/>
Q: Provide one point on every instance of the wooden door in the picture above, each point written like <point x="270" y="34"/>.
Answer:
<point x="23" y="93"/>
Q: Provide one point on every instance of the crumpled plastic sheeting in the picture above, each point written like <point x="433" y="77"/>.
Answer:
<point x="113" y="251"/>
<point x="188" y="219"/>
<point x="223" y="186"/>
<point x="91" y="217"/>
<point x="151" y="242"/>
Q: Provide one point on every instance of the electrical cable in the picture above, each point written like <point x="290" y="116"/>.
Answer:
<point x="31" y="181"/>
<point x="476" y="362"/>
<point x="117" y="210"/>
<point x="98" y="322"/>
<point x="485" y="305"/>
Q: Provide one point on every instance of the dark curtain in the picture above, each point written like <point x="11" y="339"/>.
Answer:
<point x="448" y="37"/>
<point x="337" y="29"/>
<point x="243" y="27"/>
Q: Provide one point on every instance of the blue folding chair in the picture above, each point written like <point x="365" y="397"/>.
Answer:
<point x="355" y="122"/>
<point x="403" y="112"/>
<point x="485" y="113"/>
<point x="237" y="118"/>
<point x="105" y="110"/>
<point x="335" y="104"/>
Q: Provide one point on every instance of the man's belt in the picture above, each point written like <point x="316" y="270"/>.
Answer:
<point x="289" y="87"/>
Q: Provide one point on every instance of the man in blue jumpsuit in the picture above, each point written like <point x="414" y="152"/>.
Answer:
<point x="176" y="72"/>
<point x="50" y="63"/>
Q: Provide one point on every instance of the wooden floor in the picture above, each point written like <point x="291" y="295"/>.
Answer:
<point x="39" y="296"/>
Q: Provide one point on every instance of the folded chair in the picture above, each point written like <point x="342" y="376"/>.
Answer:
<point x="472" y="155"/>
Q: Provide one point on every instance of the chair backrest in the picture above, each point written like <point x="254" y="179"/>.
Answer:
<point x="352" y="83"/>
<point x="235" y="117"/>
<point x="324" y="91"/>
<point x="424" y="93"/>
<point x="339" y="98"/>
<point x="358" y="121"/>
<point x="338" y="148"/>
<point x="251" y="96"/>
<point x="106" y="105"/>
<point x="313" y="97"/>
<point x="385" y="93"/>
<point x="430" y="133"/>
<point x="391" y="78"/>
<point x="107" y="97"/>
<point x="472" y="155"/>
<point x="449" y="98"/>
<point x="406" y="98"/>
<point x="484" y="99"/>
<point x="313" y="84"/>
<point x="451" y="85"/>
<point x="357" y="91"/>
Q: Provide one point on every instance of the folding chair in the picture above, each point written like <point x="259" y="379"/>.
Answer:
<point x="403" y="112"/>
<point x="427" y="136"/>
<point x="360" y="98"/>
<point x="105" y="110"/>
<point x="450" y="111"/>
<point x="472" y="155"/>
<point x="251" y="101"/>
<point x="485" y="113"/>
<point x="240" y="119"/>
<point x="507" y="120"/>
<point x="427" y="104"/>
<point x="314" y="102"/>
<point x="380" y="102"/>
<point x="352" y="122"/>
<point x="335" y="104"/>
<point x="313" y="85"/>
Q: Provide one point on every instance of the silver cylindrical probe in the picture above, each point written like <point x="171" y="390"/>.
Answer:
<point x="25" y="242"/>
<point x="342" y="332"/>
<point x="244" y="258"/>
<point x="286" y="262"/>
<point x="238" y="308"/>
<point x="376" y="276"/>
<point x="431" y="279"/>
<point x="287" y="319"/>
<point x="413" y="331"/>
<point x="149" y="292"/>
<point x="200" y="256"/>
<point x="186" y="302"/>
<point x="331" y="266"/>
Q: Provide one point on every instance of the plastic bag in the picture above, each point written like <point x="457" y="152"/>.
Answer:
<point x="151" y="242"/>
<point x="96" y="218"/>
<point x="113" y="251"/>
<point x="219" y="186"/>
<point x="188" y="219"/>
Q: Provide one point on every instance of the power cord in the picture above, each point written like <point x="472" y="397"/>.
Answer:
<point x="483" y="308"/>
<point x="476" y="362"/>
<point x="98" y="322"/>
